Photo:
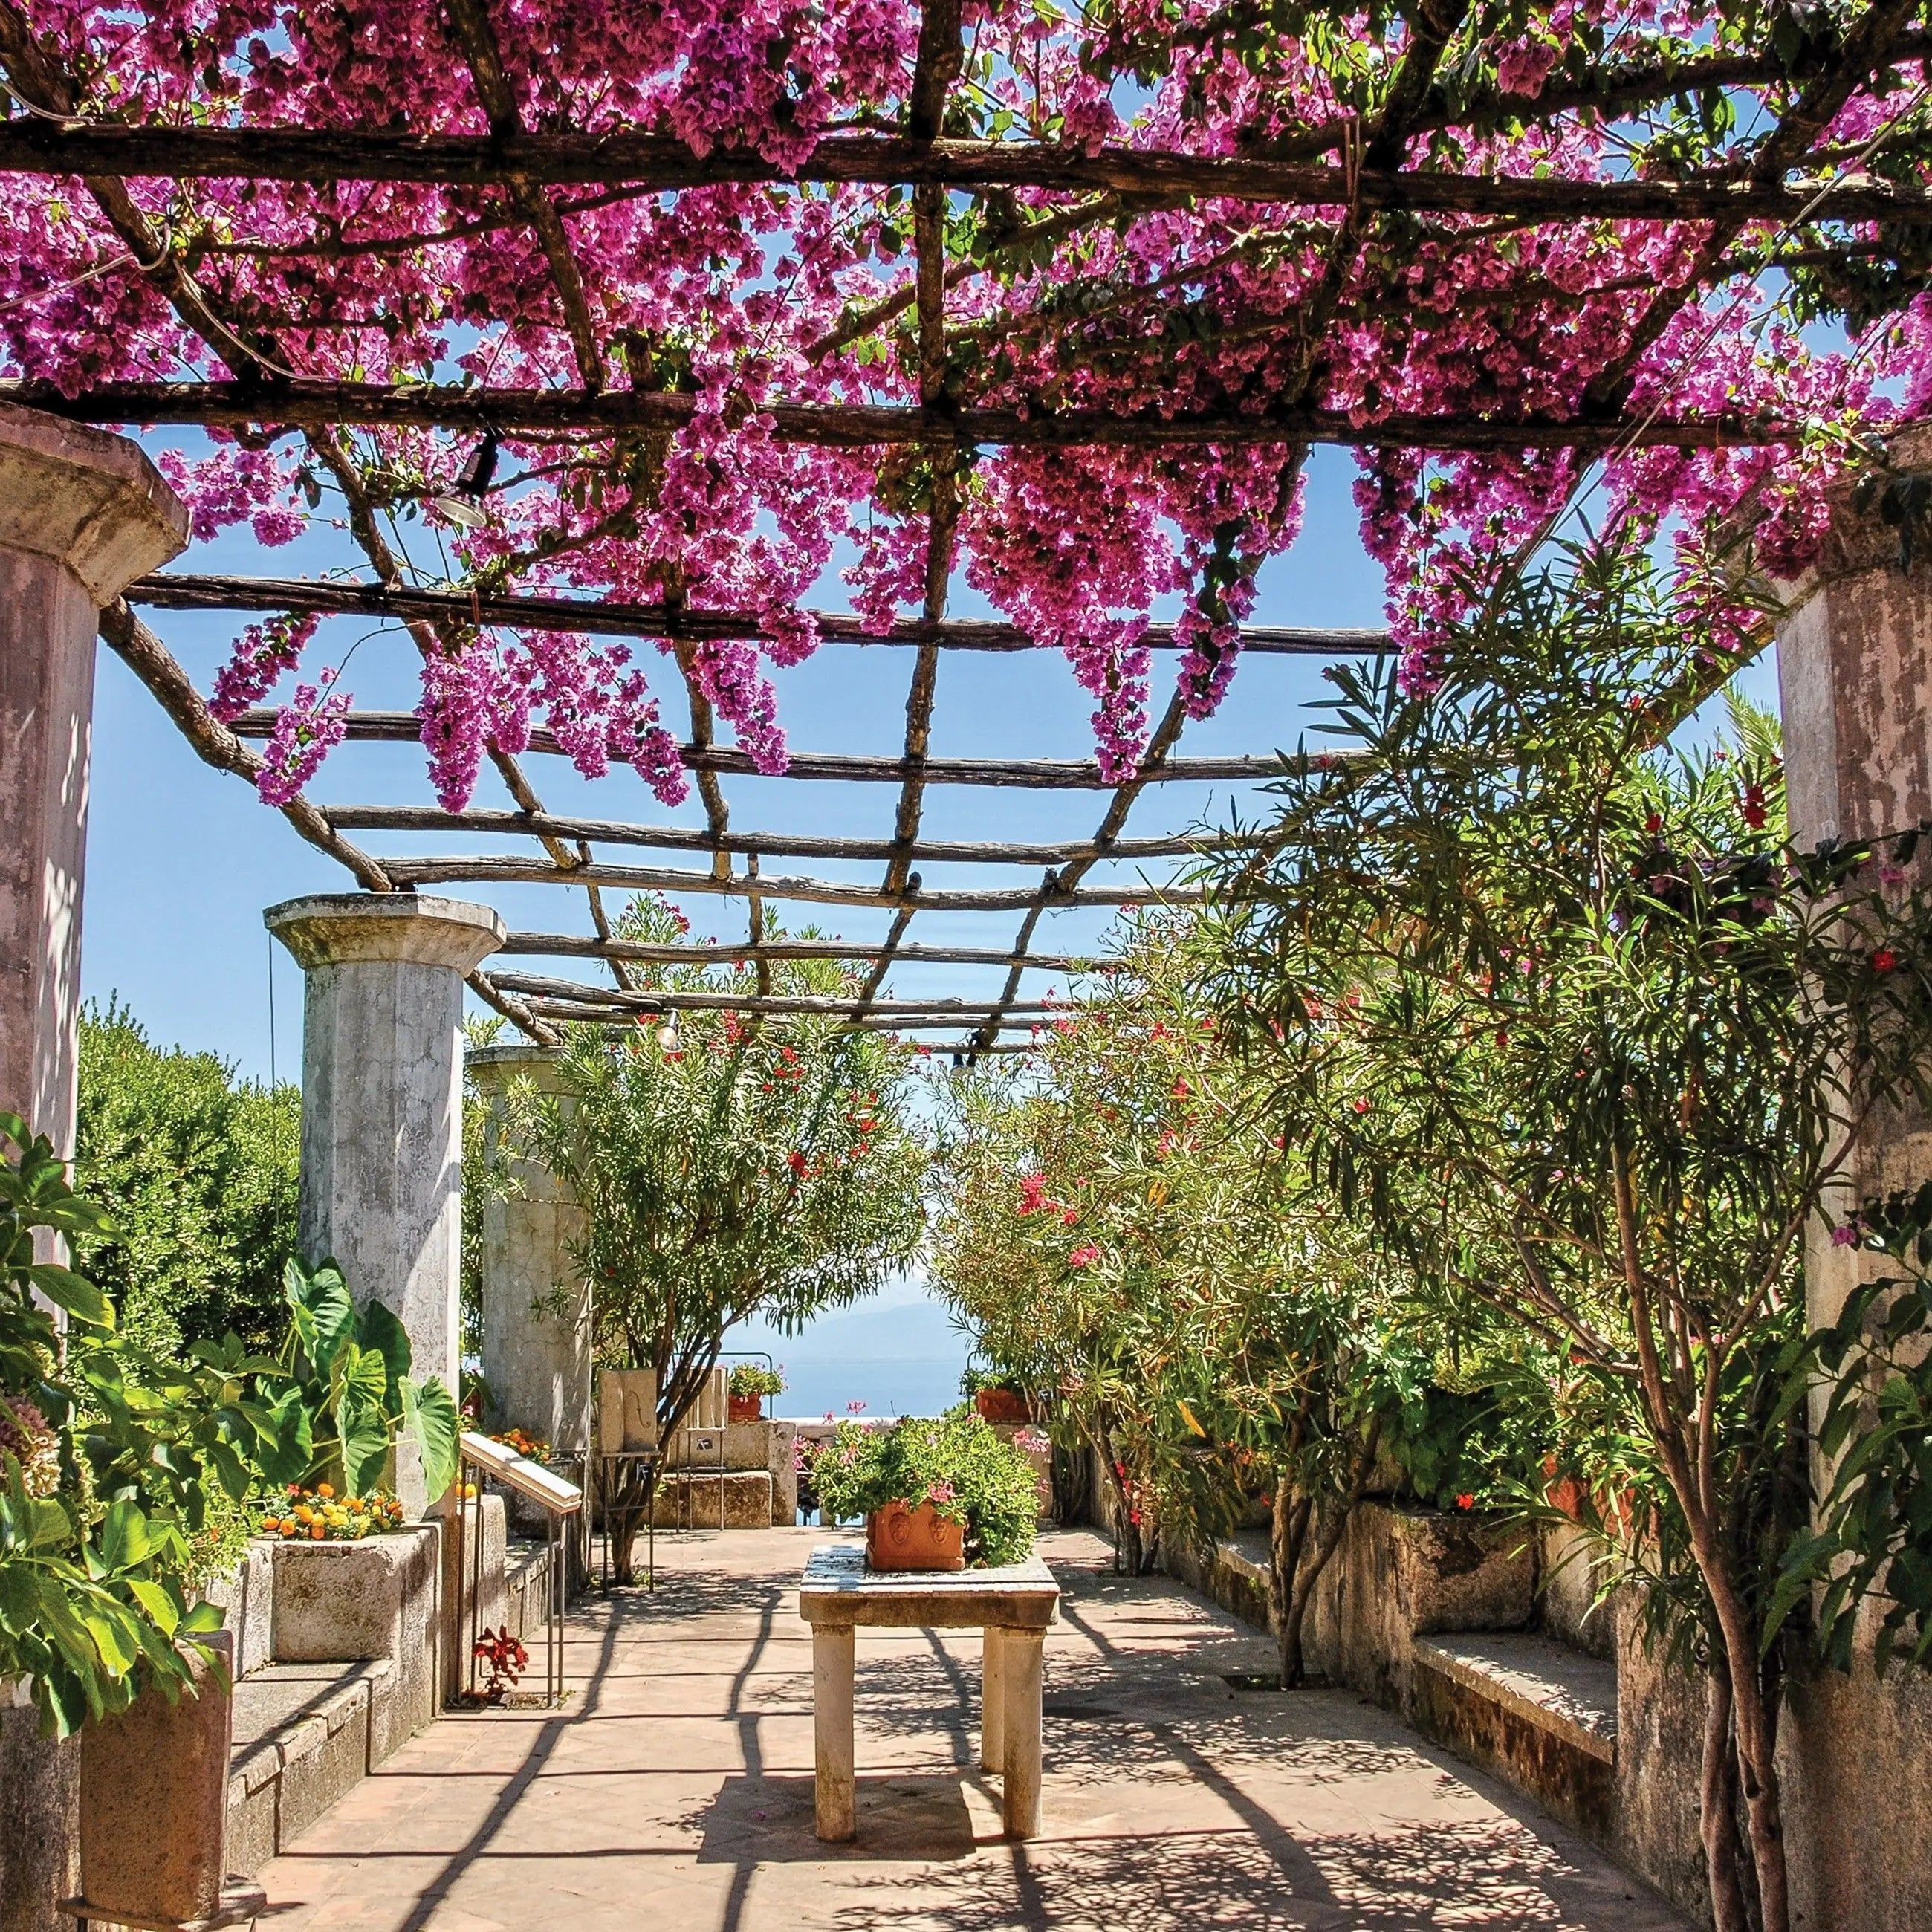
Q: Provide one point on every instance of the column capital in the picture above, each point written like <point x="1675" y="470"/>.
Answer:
<point x="88" y="500"/>
<point x="330" y="929"/>
<point x="495" y="1067"/>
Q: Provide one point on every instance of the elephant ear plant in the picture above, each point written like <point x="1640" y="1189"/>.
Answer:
<point x="339" y="1394"/>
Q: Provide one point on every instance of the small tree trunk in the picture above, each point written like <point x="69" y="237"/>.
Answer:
<point x="1717" y="1809"/>
<point x="1287" y="1535"/>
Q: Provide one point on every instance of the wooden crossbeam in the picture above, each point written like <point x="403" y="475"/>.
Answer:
<point x="313" y="402"/>
<point x="656" y="1000"/>
<point x="183" y="590"/>
<point x="573" y="945"/>
<point x="771" y="845"/>
<point x="655" y="164"/>
<point x="517" y="870"/>
<point x="404" y="727"/>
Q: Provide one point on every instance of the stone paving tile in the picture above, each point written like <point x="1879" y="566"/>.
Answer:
<point x="674" y="1794"/>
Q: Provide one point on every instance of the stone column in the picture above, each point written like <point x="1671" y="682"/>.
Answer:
<point x="1854" y="678"/>
<point x="82" y="514"/>
<point x="536" y="1309"/>
<point x="1855" y="687"/>
<point x="382" y="1141"/>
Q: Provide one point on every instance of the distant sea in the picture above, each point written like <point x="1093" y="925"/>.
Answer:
<point x="897" y="1354"/>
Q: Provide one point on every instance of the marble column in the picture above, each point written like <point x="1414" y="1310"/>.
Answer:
<point x="1855" y="686"/>
<point x="382" y="1139"/>
<point x="82" y="514"/>
<point x="536" y="1307"/>
<point x="1854" y="678"/>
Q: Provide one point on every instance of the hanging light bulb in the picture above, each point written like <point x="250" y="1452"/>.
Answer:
<point x="464" y="502"/>
<point x="667" y="1037"/>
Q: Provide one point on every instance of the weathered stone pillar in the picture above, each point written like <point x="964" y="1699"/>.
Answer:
<point x="536" y="1308"/>
<point x="1855" y="685"/>
<point x="82" y="514"/>
<point x="382" y="1143"/>
<point x="1854" y="678"/>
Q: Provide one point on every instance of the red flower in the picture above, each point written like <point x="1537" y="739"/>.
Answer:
<point x="1884" y="960"/>
<point x="1182" y="1090"/>
<point x="1361" y="1106"/>
<point x="1085" y="1255"/>
<point x="797" y="1162"/>
<point x="1465" y="1501"/>
<point x="1754" y="807"/>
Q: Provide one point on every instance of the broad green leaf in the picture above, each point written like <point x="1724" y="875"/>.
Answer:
<point x="75" y="1293"/>
<point x="438" y="1428"/>
<point x="364" y="1440"/>
<point x="156" y="1601"/>
<point x="378" y="1329"/>
<point x="325" y="1312"/>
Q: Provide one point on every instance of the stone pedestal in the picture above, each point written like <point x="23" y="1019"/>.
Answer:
<point x="381" y="1147"/>
<point x="536" y="1309"/>
<point x="81" y="515"/>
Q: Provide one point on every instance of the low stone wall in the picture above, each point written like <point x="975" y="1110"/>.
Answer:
<point x="1856" y="1754"/>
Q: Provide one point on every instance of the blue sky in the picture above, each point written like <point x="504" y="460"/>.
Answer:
<point x="182" y="859"/>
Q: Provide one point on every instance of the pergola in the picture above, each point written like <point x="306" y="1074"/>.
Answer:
<point x="1355" y="185"/>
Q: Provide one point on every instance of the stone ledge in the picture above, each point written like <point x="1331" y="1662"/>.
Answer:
<point x="1567" y="1692"/>
<point x="305" y="1733"/>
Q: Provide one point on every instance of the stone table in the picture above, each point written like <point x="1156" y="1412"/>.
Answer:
<point x="1013" y="1606"/>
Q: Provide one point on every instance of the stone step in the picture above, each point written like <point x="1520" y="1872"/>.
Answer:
<point x="302" y="1734"/>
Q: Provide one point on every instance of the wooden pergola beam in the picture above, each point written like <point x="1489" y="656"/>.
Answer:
<point x="769" y="844"/>
<point x="313" y="402"/>
<point x="655" y="1000"/>
<point x="573" y="945"/>
<point x="658" y="164"/>
<point x="404" y="727"/>
<point x="183" y="590"/>
<point x="515" y="870"/>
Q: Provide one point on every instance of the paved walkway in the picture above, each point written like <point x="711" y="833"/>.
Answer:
<point x="675" y="1794"/>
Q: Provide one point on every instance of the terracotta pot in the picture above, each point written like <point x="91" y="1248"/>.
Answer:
<point x="997" y="1404"/>
<point x="901" y="1537"/>
<point x="744" y="1408"/>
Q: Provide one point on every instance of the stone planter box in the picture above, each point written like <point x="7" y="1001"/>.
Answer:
<point x="346" y="1602"/>
<point x="901" y="1537"/>
<point x="154" y="1801"/>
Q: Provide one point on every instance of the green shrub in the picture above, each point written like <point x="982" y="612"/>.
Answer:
<point x="955" y="1463"/>
<point x="197" y="1171"/>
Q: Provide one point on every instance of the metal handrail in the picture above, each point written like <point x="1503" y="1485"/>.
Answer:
<point x="496" y="1462"/>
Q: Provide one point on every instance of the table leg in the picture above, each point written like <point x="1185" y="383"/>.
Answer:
<point x="992" y="1691"/>
<point x="832" y="1646"/>
<point x="1020" y="1722"/>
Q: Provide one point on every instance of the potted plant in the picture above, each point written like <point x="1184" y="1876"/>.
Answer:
<point x="997" y="1396"/>
<point x="750" y="1382"/>
<point x="936" y="1494"/>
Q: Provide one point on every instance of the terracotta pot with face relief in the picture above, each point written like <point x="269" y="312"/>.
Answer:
<point x="744" y="1408"/>
<point x="899" y="1537"/>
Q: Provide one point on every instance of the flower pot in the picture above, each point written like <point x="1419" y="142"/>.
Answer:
<point x="744" y="1408"/>
<point x="901" y="1537"/>
<point x="154" y="1796"/>
<point x="997" y="1404"/>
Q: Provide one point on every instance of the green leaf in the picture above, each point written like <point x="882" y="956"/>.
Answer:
<point x="364" y="1442"/>
<point x="324" y="1311"/>
<point x="156" y="1601"/>
<point x="438" y="1429"/>
<point x="75" y="1293"/>
<point x="377" y="1328"/>
<point x="127" y="1538"/>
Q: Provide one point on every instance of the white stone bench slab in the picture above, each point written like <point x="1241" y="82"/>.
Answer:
<point x="1567" y="1692"/>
